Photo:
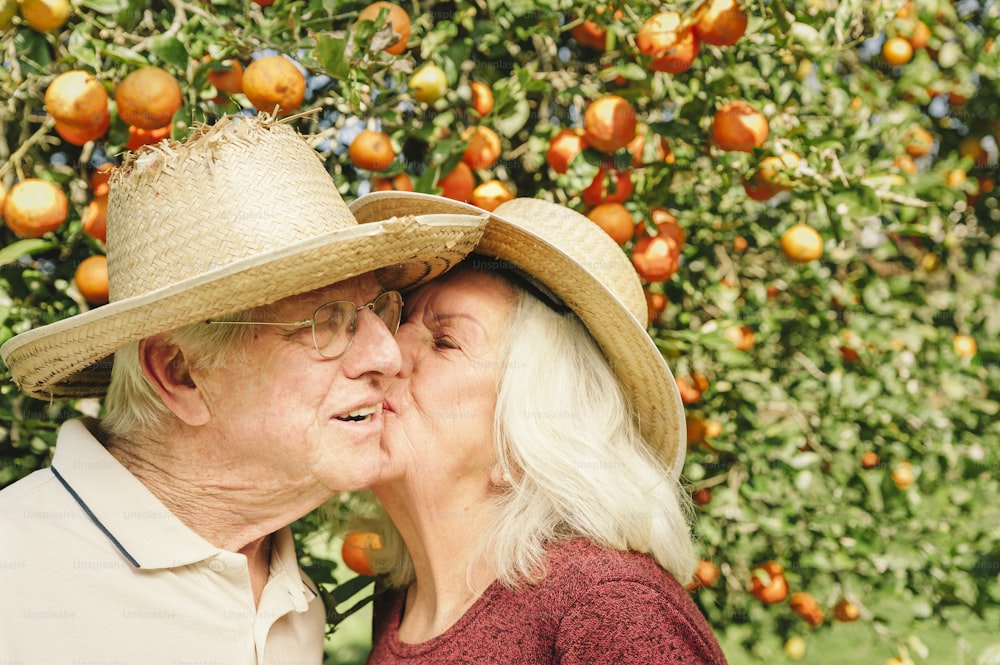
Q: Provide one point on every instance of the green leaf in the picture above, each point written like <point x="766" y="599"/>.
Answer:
<point x="170" y="50"/>
<point x="351" y="587"/>
<point x="16" y="250"/>
<point x="82" y="47"/>
<point x="512" y="122"/>
<point x="859" y="201"/>
<point x="331" y="53"/>
<point x="124" y="55"/>
<point x="105" y="6"/>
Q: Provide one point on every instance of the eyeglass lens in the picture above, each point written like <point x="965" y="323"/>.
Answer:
<point x="335" y="323"/>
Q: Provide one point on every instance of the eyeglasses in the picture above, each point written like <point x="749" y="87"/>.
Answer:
<point x="335" y="323"/>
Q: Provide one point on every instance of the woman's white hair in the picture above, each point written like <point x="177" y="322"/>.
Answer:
<point x="567" y="437"/>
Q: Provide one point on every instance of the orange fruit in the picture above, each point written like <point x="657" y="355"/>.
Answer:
<point x="742" y="337"/>
<point x="656" y="304"/>
<point x="608" y="186"/>
<point x="401" y="182"/>
<point x="654" y="151"/>
<point x="721" y="23"/>
<point x="971" y="147"/>
<point x="615" y="219"/>
<point x="903" y="475"/>
<point x="695" y="427"/>
<point x="357" y="549"/>
<point x="564" y="147"/>
<point x="658" y="33"/>
<point x="802" y="243"/>
<point x="610" y="123"/>
<point x="80" y="135"/>
<point x="706" y="574"/>
<point x="964" y="345"/>
<point x="656" y="258"/>
<point x="592" y="34"/>
<point x="138" y="137"/>
<point x="679" y="57"/>
<point x="767" y="582"/>
<point x="739" y="126"/>
<point x="371" y="150"/>
<point x="897" y="51"/>
<point x="459" y="183"/>
<point x="763" y="184"/>
<point x="919" y="34"/>
<point x="846" y="611"/>
<point x="482" y="97"/>
<point x="702" y="497"/>
<point x="77" y="101"/>
<point x="91" y="279"/>
<point x="491" y="194"/>
<point x="33" y="207"/>
<point x="95" y="218"/>
<point x="98" y="181"/>
<point x="148" y="98"/>
<point x="673" y="45"/>
<point x="274" y="82"/>
<point x="429" y="84"/>
<point x="3" y="197"/>
<point x="229" y="78"/>
<point x="804" y="604"/>
<point x="955" y="178"/>
<point x="483" y="149"/>
<point x="905" y="164"/>
<point x="869" y="460"/>
<point x="45" y="15"/>
<point x="398" y="19"/>
<point x="666" y="225"/>
<point x="918" y="141"/>
<point x="691" y="388"/>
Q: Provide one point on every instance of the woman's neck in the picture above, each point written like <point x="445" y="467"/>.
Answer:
<point x="443" y="537"/>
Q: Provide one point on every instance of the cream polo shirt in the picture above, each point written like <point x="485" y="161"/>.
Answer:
<point x="94" y="570"/>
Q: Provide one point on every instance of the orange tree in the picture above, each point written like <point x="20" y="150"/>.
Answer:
<point x="812" y="189"/>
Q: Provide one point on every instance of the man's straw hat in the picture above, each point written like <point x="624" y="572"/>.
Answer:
<point x="576" y="260"/>
<point x="241" y="214"/>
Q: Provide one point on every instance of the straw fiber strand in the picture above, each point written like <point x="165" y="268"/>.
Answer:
<point x="165" y="197"/>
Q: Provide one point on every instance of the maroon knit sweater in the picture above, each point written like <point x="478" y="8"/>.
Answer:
<point x="595" y="606"/>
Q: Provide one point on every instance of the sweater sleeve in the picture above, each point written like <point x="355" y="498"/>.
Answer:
<point x="629" y="622"/>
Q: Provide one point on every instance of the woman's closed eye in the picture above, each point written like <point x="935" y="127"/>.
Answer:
<point x="444" y="342"/>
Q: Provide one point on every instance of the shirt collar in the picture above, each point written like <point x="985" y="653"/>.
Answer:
<point x="147" y="534"/>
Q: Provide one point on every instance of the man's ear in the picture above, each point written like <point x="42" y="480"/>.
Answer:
<point x="167" y="369"/>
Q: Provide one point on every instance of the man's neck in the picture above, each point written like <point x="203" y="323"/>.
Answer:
<point x="215" y="500"/>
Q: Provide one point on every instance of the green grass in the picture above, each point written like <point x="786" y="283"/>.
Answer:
<point x="969" y="640"/>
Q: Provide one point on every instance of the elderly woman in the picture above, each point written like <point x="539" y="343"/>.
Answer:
<point x="534" y="437"/>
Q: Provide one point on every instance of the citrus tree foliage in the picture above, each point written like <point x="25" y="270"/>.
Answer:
<point x="837" y="425"/>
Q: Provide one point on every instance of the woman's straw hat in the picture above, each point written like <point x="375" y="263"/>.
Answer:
<point x="590" y="273"/>
<point x="241" y="214"/>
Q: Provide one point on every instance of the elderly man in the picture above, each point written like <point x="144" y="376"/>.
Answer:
<point x="249" y="326"/>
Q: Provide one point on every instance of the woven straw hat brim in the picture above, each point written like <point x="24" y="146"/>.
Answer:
<point x="73" y="357"/>
<point x="641" y="370"/>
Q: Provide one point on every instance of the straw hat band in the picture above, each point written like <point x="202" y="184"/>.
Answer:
<point x="286" y="195"/>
